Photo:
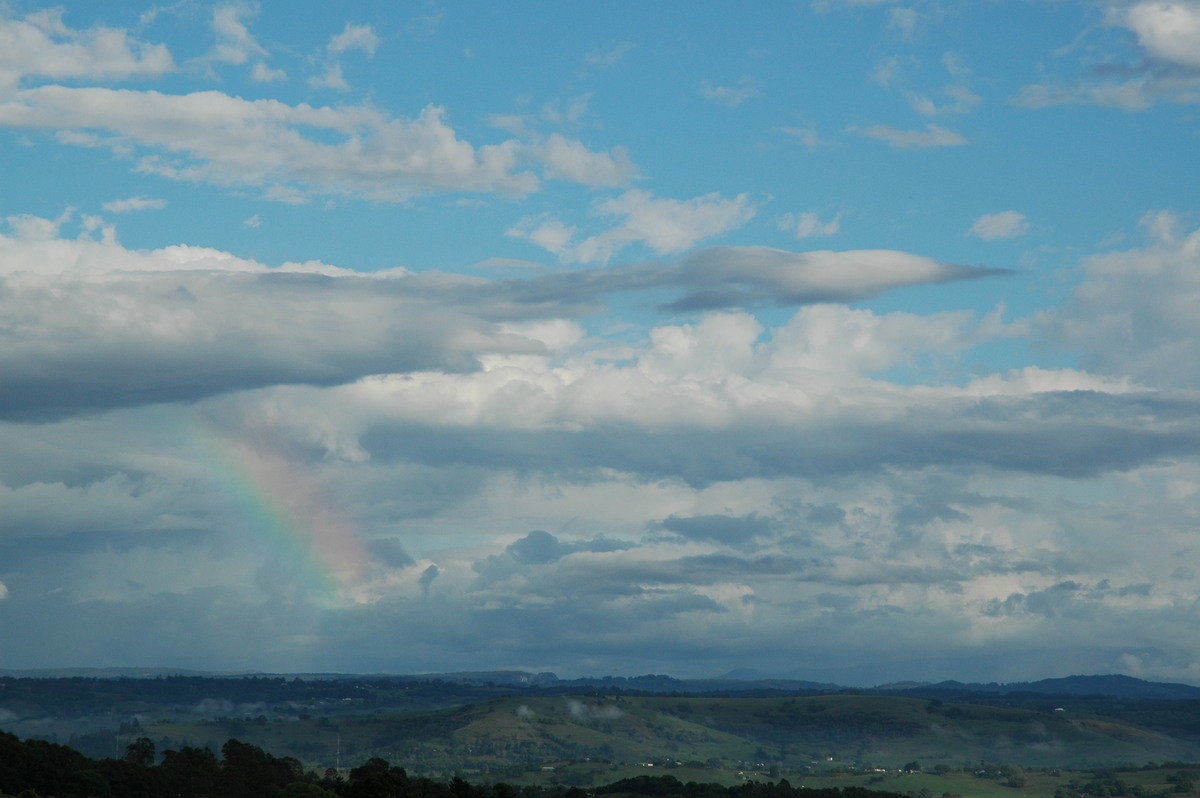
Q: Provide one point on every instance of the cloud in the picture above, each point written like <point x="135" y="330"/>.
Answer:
<point x="807" y="136"/>
<point x="427" y="578"/>
<point x="235" y="44"/>
<point x="823" y="6"/>
<point x="743" y="276"/>
<point x="354" y="37"/>
<point x="603" y="59"/>
<point x="1005" y="224"/>
<point x="261" y="73"/>
<point x="889" y="71"/>
<point x="391" y="552"/>
<point x="727" y="277"/>
<point x="667" y="225"/>
<point x="576" y="107"/>
<point x="666" y="426"/>
<point x="538" y="548"/>
<point x="1133" y="311"/>
<point x="291" y="153"/>
<point x="739" y="533"/>
<point x="699" y="454"/>
<point x="294" y="152"/>
<point x="42" y="45"/>
<point x="124" y="328"/>
<point x="747" y="88"/>
<point x="113" y="327"/>
<point x="331" y="78"/>
<point x="213" y="137"/>
<point x="932" y="136"/>
<point x="1164" y="66"/>
<point x="961" y="99"/>
<point x="713" y="488"/>
<point x="807" y="224"/>
<point x="904" y="21"/>
<point x="569" y="159"/>
<point x="130" y="204"/>
<point x="662" y="224"/>
<point x="1167" y="31"/>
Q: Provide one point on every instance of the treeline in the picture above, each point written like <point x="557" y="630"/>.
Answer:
<point x="40" y="769"/>
<point x="80" y="695"/>
<point x="1176" y="717"/>
<point x="671" y="787"/>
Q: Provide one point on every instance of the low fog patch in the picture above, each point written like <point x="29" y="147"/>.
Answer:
<point x="586" y="712"/>
<point x="216" y="708"/>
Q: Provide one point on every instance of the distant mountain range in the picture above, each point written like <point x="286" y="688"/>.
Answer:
<point x="1114" y="686"/>
<point x="746" y="680"/>
<point x="741" y="680"/>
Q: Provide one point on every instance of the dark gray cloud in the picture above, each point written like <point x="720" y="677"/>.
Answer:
<point x="741" y="277"/>
<point x="1076" y="434"/>
<point x="162" y="337"/>
<point x="727" y="277"/>
<point x="427" y="578"/>
<point x="390" y="551"/>
<point x="537" y="548"/>
<point x="743" y="532"/>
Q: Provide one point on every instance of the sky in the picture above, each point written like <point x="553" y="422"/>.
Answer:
<point x="853" y="340"/>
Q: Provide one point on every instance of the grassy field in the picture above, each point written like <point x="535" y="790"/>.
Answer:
<point x="957" y="783"/>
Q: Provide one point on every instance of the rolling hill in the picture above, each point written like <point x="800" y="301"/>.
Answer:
<point x="790" y="734"/>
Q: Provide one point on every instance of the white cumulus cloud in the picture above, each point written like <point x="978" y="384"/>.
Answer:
<point x="663" y="224"/>
<point x="42" y="45"/>
<point x="1134" y="312"/>
<point x="235" y="44"/>
<point x="214" y="137"/>
<point x="570" y="159"/>
<point x="355" y="37"/>
<point x="1169" y="31"/>
<point x="1005" y="224"/>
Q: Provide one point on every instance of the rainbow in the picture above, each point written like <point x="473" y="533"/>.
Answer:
<point x="279" y="496"/>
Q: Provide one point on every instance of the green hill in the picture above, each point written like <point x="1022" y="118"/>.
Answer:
<point x="524" y="733"/>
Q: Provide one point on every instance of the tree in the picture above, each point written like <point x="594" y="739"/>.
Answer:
<point x="1016" y="777"/>
<point x="305" y="789"/>
<point x="140" y="752"/>
<point x="376" y="778"/>
<point x="249" y="772"/>
<point x="88" y="784"/>
<point x="191" y="771"/>
<point x="1184" y="781"/>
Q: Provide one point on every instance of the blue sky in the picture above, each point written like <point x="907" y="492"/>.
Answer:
<point x="851" y="339"/>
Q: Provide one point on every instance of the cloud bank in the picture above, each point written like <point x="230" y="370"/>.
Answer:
<point x="382" y="344"/>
